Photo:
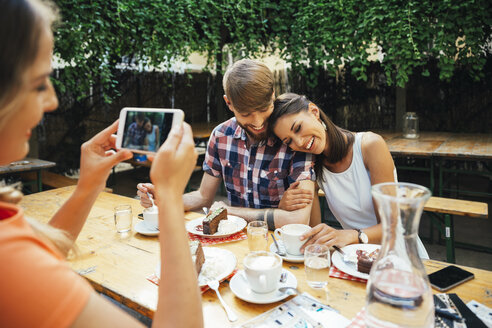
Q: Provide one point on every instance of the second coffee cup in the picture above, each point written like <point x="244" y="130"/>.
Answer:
<point x="151" y="218"/>
<point x="290" y="234"/>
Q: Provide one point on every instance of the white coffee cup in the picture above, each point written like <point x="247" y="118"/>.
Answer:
<point x="151" y="217"/>
<point x="290" y="234"/>
<point x="262" y="270"/>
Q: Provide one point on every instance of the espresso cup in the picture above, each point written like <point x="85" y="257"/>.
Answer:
<point x="290" y="234"/>
<point x="151" y="218"/>
<point x="262" y="270"/>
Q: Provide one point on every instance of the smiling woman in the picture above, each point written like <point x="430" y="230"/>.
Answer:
<point x="38" y="287"/>
<point x="347" y="165"/>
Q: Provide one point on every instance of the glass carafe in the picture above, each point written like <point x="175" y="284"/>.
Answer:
<point x="398" y="290"/>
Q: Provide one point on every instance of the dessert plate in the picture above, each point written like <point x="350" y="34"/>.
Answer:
<point x="219" y="263"/>
<point x="240" y="287"/>
<point x="288" y="257"/>
<point x="195" y="227"/>
<point x="351" y="267"/>
<point x="141" y="228"/>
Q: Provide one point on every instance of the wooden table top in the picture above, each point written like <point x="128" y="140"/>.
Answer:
<point x="122" y="265"/>
<point x="440" y="144"/>
<point x="27" y="164"/>
<point x="202" y="130"/>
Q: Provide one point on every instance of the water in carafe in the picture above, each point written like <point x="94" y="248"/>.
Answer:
<point x="398" y="290"/>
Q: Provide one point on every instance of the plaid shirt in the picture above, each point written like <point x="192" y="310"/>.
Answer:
<point x="254" y="177"/>
<point x="136" y="135"/>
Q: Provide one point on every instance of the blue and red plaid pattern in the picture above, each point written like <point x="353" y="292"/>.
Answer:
<point x="136" y="135"/>
<point x="255" y="176"/>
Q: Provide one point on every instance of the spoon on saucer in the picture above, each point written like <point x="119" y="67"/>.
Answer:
<point x="279" y="252"/>
<point x="288" y="290"/>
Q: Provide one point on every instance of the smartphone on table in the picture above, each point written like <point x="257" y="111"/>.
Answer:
<point x="144" y="130"/>
<point x="449" y="277"/>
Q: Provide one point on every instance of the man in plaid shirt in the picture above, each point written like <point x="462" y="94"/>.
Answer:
<point x="256" y="170"/>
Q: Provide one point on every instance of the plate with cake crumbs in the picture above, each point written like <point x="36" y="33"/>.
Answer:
<point x="349" y="265"/>
<point x="225" y="228"/>
<point x="219" y="263"/>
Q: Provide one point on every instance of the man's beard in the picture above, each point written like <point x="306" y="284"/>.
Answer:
<point x="255" y="136"/>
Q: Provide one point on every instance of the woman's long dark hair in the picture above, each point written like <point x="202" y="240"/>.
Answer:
<point x="291" y="103"/>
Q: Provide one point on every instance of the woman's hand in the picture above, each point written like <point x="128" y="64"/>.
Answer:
<point x="324" y="234"/>
<point x="142" y="189"/>
<point x="98" y="158"/>
<point x="295" y="198"/>
<point x="174" y="161"/>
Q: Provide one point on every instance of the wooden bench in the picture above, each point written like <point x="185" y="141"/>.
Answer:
<point x="55" y="180"/>
<point x="448" y="207"/>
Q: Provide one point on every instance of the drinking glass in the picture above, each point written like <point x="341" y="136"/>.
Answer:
<point x="257" y="236"/>
<point x="123" y="218"/>
<point x="317" y="265"/>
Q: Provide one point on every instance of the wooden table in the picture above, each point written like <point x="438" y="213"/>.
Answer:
<point x="122" y="265"/>
<point x="203" y="130"/>
<point x="26" y="165"/>
<point x="439" y="147"/>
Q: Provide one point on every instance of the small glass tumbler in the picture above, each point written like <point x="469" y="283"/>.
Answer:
<point x="317" y="265"/>
<point x="123" y="218"/>
<point x="257" y="236"/>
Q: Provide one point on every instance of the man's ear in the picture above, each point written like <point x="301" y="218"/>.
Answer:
<point x="313" y="109"/>
<point x="228" y="103"/>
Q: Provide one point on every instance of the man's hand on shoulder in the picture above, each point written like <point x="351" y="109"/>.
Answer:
<point x="295" y="198"/>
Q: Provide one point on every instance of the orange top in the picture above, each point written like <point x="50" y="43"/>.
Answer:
<point x="37" y="287"/>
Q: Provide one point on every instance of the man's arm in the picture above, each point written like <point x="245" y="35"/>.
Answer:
<point x="194" y="200"/>
<point x="279" y="217"/>
<point x="204" y="196"/>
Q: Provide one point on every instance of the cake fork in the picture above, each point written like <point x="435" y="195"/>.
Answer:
<point x="231" y="315"/>
<point x="345" y="257"/>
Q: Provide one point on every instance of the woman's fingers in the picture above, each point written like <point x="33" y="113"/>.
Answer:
<point x="173" y="139"/>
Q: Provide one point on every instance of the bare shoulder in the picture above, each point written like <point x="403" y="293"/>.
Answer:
<point x="374" y="150"/>
<point x="371" y="140"/>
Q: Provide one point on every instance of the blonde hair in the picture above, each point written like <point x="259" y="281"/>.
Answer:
<point x="21" y="24"/>
<point x="249" y="84"/>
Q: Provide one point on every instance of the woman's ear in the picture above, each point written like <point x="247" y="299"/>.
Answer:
<point x="313" y="109"/>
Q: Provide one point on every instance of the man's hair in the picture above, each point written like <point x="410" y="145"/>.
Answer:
<point x="248" y="85"/>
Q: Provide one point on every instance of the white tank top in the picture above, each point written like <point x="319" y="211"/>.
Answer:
<point x="349" y="197"/>
<point x="348" y="193"/>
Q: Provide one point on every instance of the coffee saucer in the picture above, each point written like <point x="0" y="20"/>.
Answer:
<point x="141" y="228"/>
<point x="287" y="257"/>
<point x="240" y="287"/>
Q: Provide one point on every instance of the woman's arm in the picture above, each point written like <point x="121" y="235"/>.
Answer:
<point x="157" y="137"/>
<point x="179" y="302"/>
<point x="96" y="161"/>
<point x="379" y="163"/>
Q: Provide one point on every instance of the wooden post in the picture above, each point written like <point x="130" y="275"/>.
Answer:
<point x="401" y="107"/>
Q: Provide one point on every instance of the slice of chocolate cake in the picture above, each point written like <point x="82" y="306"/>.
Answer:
<point x="197" y="255"/>
<point x="365" y="260"/>
<point x="211" y="221"/>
